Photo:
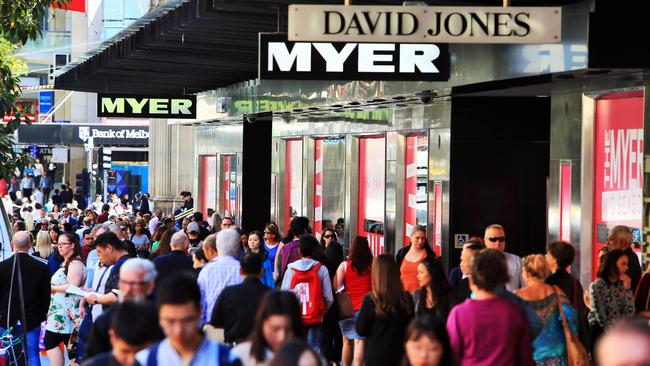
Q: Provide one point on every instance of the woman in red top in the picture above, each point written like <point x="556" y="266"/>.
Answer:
<point x="354" y="276"/>
<point x="410" y="257"/>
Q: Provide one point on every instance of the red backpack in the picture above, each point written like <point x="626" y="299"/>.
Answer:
<point x="308" y="288"/>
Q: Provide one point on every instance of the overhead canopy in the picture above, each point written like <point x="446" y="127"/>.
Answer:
<point x="181" y="47"/>
<point x="189" y="46"/>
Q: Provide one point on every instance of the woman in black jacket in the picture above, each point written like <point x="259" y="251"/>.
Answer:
<point x="385" y="313"/>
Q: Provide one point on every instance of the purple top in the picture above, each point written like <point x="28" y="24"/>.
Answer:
<point x="489" y="332"/>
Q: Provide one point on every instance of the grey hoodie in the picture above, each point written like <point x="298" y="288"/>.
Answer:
<point x="305" y="264"/>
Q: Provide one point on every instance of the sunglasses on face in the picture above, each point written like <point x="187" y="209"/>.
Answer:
<point x="497" y="238"/>
<point x="329" y="236"/>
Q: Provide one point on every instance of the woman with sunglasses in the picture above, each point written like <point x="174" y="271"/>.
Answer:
<point x="64" y="308"/>
<point x="332" y="344"/>
<point x="410" y="257"/>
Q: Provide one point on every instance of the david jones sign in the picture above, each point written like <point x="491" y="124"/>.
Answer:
<point x="443" y="24"/>
<point x="282" y="59"/>
<point x="146" y="106"/>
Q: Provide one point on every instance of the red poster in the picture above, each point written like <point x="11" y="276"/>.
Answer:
<point x="618" y="166"/>
<point x="74" y="5"/>
<point x="565" y="201"/>
<point x="372" y="182"/>
<point x="208" y="182"/>
<point x="410" y="187"/>
<point x="318" y="187"/>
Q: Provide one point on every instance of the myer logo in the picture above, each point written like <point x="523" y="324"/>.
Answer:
<point x="281" y="59"/>
<point x="424" y="24"/>
<point x="146" y="106"/>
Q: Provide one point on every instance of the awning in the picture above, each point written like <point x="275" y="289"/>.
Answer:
<point x="181" y="47"/>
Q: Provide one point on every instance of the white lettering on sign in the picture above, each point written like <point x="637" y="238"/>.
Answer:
<point x="411" y="57"/>
<point x="623" y="167"/>
<point x="622" y="198"/>
<point x="131" y="106"/>
<point x="300" y="55"/>
<point x="120" y="134"/>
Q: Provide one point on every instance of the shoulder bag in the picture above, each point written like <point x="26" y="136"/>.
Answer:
<point x="344" y="301"/>
<point x="576" y="353"/>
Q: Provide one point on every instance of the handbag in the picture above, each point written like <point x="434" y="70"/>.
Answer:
<point x="576" y="353"/>
<point x="344" y="301"/>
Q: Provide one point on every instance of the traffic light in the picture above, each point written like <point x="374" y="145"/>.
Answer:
<point x="110" y="177"/>
<point x="82" y="184"/>
<point x="105" y="158"/>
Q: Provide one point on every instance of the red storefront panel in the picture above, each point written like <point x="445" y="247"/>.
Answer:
<point x="372" y="181"/>
<point x="618" y="166"/>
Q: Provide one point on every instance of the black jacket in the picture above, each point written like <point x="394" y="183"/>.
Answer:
<point x="236" y="307"/>
<point x="399" y="257"/>
<point x="172" y="262"/>
<point x="383" y="333"/>
<point x="36" y="291"/>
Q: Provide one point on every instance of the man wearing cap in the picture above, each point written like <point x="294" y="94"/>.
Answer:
<point x="193" y="232"/>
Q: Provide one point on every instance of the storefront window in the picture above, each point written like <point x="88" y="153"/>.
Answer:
<point x="372" y="182"/>
<point x="229" y="185"/>
<point x="329" y="183"/>
<point x="415" y="183"/>
<point x="293" y="186"/>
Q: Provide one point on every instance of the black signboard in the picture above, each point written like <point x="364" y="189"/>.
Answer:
<point x="146" y="106"/>
<point x="284" y="60"/>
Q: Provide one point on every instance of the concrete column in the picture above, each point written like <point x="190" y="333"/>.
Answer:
<point x="171" y="162"/>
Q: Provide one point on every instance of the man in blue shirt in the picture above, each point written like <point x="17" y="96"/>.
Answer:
<point x="46" y="184"/>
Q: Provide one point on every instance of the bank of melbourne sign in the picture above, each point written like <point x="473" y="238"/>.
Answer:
<point x="146" y="106"/>
<point x="282" y="59"/>
<point x="414" y="24"/>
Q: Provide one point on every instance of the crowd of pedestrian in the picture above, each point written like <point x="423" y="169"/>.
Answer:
<point x="136" y="288"/>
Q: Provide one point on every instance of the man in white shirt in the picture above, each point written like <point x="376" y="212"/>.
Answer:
<point x="495" y="238"/>
<point x="155" y="220"/>
<point x="221" y="272"/>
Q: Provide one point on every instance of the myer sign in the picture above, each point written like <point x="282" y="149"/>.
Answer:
<point x="443" y="24"/>
<point x="282" y="59"/>
<point x="146" y="106"/>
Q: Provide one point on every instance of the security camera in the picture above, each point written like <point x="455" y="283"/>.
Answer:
<point x="426" y="96"/>
<point x="251" y="118"/>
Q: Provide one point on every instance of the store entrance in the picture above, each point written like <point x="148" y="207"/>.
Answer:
<point x="500" y="155"/>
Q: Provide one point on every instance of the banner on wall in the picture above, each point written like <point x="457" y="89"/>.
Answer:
<point x="618" y="167"/>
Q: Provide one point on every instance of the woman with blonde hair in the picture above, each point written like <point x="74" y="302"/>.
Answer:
<point x="549" y="348"/>
<point x="43" y="245"/>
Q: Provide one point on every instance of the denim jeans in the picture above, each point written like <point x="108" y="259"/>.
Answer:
<point x="33" y="356"/>
<point x="315" y="336"/>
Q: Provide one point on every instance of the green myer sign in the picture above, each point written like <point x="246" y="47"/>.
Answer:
<point x="146" y="106"/>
